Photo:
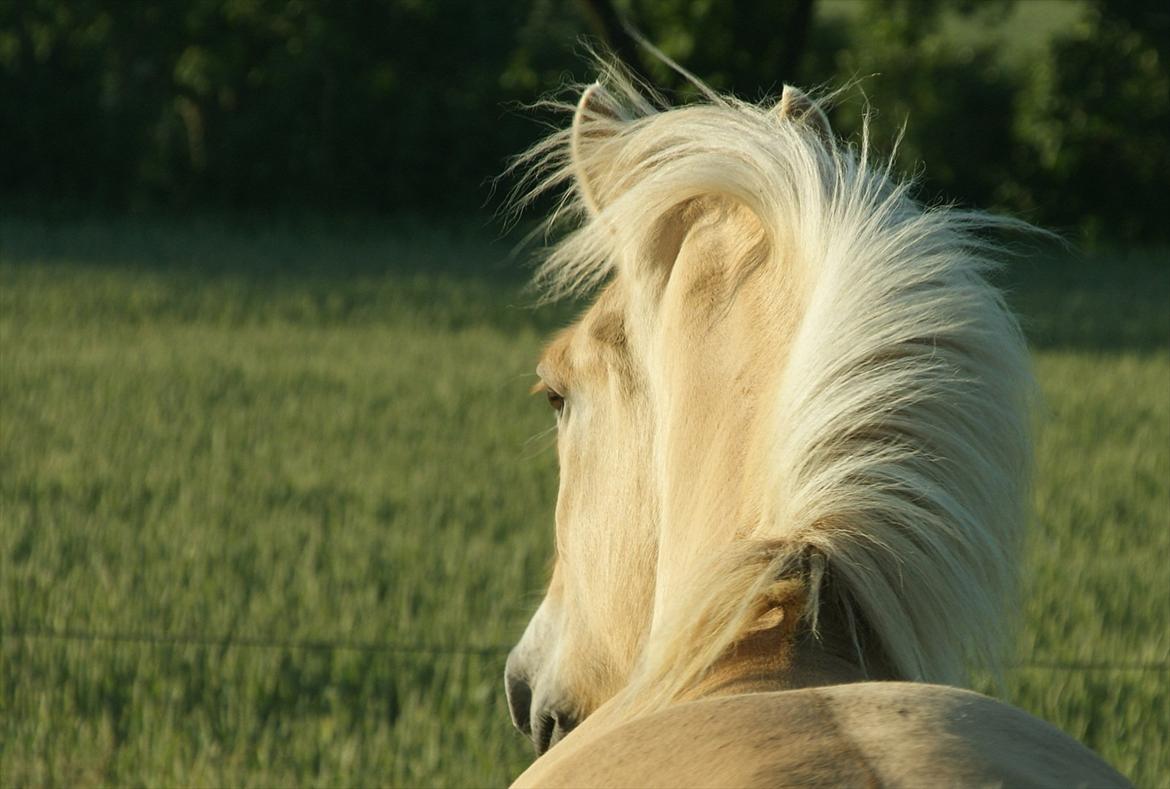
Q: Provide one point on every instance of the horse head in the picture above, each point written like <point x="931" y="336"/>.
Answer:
<point x="793" y="414"/>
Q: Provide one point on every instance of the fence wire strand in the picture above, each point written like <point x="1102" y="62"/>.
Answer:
<point x="231" y="641"/>
<point x="256" y="642"/>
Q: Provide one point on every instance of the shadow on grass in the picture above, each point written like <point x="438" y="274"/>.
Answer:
<point x="312" y="270"/>
<point x="1104" y="301"/>
<point x="330" y="270"/>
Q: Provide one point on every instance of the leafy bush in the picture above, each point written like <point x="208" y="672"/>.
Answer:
<point x="413" y="105"/>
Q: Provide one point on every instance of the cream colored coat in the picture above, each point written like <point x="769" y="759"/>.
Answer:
<point x="872" y="734"/>
<point x="793" y="443"/>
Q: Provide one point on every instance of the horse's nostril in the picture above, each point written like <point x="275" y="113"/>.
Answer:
<point x="543" y="728"/>
<point x="564" y="722"/>
<point x="519" y="694"/>
<point x="550" y="727"/>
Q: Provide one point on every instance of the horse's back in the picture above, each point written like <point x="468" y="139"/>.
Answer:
<point x="880" y="734"/>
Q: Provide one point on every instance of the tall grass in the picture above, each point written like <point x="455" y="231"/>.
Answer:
<point x="321" y="433"/>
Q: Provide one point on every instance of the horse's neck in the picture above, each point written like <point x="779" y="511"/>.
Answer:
<point x="758" y="665"/>
<point x="780" y="659"/>
<point x="771" y="659"/>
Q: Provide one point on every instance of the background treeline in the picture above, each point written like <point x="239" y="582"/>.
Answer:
<point x="1055" y="110"/>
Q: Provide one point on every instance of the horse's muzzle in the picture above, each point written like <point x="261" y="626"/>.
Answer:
<point x="546" y="726"/>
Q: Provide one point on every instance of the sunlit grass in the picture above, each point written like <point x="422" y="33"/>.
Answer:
<point x="321" y="433"/>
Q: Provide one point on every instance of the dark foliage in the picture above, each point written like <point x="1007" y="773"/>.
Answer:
<point x="414" y="105"/>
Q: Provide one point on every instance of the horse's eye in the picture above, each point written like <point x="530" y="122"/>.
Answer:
<point x="556" y="400"/>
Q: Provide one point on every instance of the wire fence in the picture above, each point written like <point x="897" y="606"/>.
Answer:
<point x="256" y="642"/>
<point x="232" y="641"/>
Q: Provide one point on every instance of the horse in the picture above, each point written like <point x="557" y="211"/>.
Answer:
<point x="793" y="438"/>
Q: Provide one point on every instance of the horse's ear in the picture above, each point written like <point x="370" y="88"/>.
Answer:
<point x="796" y="105"/>
<point x="595" y="122"/>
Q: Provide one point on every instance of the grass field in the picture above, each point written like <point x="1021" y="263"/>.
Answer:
<point x="320" y="433"/>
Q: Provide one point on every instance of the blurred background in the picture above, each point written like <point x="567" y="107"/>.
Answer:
<point x="273" y="502"/>
<point x="1055" y="110"/>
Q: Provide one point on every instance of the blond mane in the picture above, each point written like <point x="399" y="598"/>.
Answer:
<point x="901" y="448"/>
